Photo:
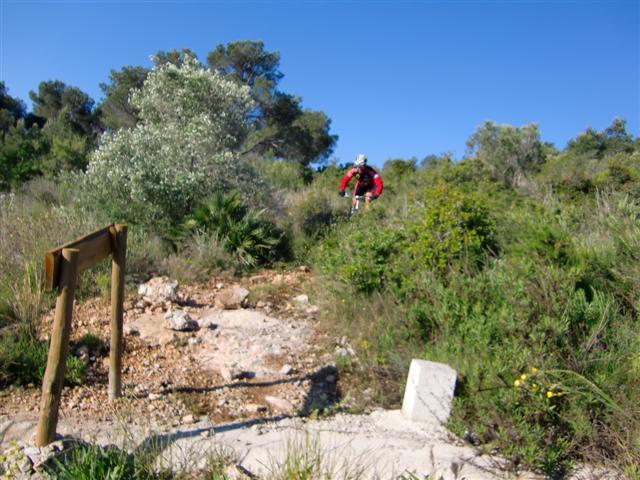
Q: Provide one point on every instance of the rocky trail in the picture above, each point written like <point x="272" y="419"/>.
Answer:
<point x="236" y="364"/>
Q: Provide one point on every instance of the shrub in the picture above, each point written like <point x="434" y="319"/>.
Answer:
<point x="362" y="256"/>
<point x="448" y="225"/>
<point x="153" y="175"/>
<point x="281" y="174"/>
<point x="88" y="462"/>
<point x="23" y="360"/>
<point x="241" y="230"/>
<point x="197" y="257"/>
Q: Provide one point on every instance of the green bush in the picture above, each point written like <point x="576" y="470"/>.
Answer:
<point x="313" y="211"/>
<point x="89" y="462"/>
<point x="197" y="257"/>
<point x="242" y="230"/>
<point x="447" y="225"/>
<point x="281" y="174"/>
<point x="363" y="256"/>
<point x="23" y="360"/>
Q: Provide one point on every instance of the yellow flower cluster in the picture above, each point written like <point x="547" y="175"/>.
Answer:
<point x="529" y="381"/>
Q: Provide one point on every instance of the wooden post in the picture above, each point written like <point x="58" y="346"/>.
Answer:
<point x="119" y="242"/>
<point x="58" y="349"/>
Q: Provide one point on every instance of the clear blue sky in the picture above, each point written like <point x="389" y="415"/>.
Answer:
<point x="398" y="79"/>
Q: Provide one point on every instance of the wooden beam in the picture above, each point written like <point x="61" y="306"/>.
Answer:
<point x="92" y="248"/>
<point x="58" y="350"/>
<point x="119" y="239"/>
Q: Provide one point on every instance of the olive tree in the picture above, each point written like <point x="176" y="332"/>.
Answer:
<point x="510" y="153"/>
<point x="183" y="148"/>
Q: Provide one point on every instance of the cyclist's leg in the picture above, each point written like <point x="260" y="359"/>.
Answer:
<point x="367" y="196"/>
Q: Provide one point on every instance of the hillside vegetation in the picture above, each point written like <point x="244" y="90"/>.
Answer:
<point x="519" y="265"/>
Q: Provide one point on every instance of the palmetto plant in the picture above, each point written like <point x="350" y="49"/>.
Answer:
<point x="242" y="229"/>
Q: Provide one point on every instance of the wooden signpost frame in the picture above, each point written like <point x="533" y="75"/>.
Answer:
<point x="62" y="266"/>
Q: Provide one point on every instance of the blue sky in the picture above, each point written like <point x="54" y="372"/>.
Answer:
<point x="398" y="79"/>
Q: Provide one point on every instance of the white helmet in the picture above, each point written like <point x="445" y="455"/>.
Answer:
<point x="361" y="160"/>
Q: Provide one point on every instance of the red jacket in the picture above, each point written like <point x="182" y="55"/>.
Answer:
<point x="367" y="181"/>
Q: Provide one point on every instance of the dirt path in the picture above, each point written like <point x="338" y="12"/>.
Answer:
<point x="245" y="376"/>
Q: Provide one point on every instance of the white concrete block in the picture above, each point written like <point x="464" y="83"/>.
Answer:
<point x="429" y="391"/>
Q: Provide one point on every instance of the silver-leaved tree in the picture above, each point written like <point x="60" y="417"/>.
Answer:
<point x="192" y="120"/>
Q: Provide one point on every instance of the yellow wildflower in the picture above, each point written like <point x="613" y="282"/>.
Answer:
<point x="516" y="383"/>
<point x="523" y="376"/>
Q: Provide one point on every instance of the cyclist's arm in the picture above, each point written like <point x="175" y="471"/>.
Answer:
<point x="347" y="178"/>
<point x="377" y="185"/>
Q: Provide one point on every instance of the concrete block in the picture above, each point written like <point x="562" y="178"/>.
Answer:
<point x="429" y="391"/>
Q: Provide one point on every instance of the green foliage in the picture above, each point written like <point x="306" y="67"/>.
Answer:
<point x="363" y="257"/>
<point x="23" y="360"/>
<point x="197" y="257"/>
<point x="314" y="210"/>
<point x="511" y="154"/>
<point x="54" y="97"/>
<point x="282" y="175"/>
<point x="116" y="110"/>
<point x="534" y="299"/>
<point x="448" y="224"/>
<point x="11" y="110"/>
<point x="21" y="151"/>
<point x="241" y="229"/>
<point x="153" y="175"/>
<point x="68" y="147"/>
<point x="614" y="139"/>
<point x="34" y="220"/>
<point x="282" y="129"/>
<point x="88" y="462"/>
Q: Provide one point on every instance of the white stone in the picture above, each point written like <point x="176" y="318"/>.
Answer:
<point x="429" y="392"/>
<point x="159" y="289"/>
<point x="302" y="299"/>
<point x="232" y="297"/>
<point x="179" y="321"/>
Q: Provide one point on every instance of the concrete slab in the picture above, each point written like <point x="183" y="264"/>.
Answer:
<point x="429" y="391"/>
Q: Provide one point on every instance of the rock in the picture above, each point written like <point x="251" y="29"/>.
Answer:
<point x="188" y="419"/>
<point x="131" y="331"/>
<point x="301" y="299"/>
<point x="279" y="403"/>
<point x="286" y="370"/>
<point x="254" y="408"/>
<point x="158" y="290"/>
<point x="208" y="324"/>
<point x="180" y="321"/>
<point x="232" y="298"/>
<point x="230" y="372"/>
<point x="258" y="278"/>
<point x="312" y="310"/>
<point x="429" y="392"/>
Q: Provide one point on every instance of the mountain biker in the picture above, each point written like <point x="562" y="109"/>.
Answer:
<point x="368" y="181"/>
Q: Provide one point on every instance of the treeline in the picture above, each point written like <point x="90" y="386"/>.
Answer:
<point x="66" y="124"/>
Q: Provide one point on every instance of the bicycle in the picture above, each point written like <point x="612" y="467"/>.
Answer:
<point x="355" y="207"/>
